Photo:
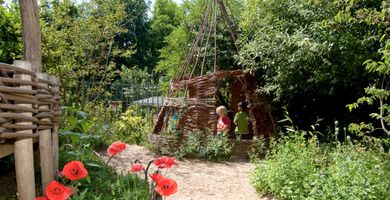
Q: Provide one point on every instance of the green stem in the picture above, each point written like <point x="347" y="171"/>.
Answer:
<point x="109" y="159"/>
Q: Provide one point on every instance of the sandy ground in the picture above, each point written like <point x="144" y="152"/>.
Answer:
<point x="198" y="179"/>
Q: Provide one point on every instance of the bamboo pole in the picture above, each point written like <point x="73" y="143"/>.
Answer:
<point x="23" y="148"/>
<point x="31" y="33"/>
<point x="45" y="143"/>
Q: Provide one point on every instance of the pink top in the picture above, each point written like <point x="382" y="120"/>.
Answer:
<point x="223" y="122"/>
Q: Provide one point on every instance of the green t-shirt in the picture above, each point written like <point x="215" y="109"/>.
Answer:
<point x="242" y="121"/>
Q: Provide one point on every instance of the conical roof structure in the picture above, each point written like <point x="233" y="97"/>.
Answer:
<point x="194" y="92"/>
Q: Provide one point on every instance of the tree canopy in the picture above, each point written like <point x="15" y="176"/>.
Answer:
<point x="312" y="57"/>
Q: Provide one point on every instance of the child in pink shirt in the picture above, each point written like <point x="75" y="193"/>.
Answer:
<point x="224" y="124"/>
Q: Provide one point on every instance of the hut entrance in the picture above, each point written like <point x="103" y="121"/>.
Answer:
<point x="230" y="92"/>
<point x="199" y="87"/>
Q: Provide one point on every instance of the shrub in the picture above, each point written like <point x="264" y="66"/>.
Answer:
<point x="257" y="150"/>
<point x="205" y="145"/>
<point x="300" y="169"/>
<point x="132" y="127"/>
<point x="105" y="183"/>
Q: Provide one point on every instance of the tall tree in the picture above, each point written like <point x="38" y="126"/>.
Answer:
<point x="166" y="17"/>
<point x="78" y="42"/>
<point x="11" y="47"/>
<point x="138" y="37"/>
<point x="306" y="61"/>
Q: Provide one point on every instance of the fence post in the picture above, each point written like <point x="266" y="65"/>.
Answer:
<point x="24" y="156"/>
<point x="44" y="129"/>
<point x="31" y="33"/>
<point x="56" y="119"/>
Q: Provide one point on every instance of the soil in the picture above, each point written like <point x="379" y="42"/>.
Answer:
<point x="199" y="179"/>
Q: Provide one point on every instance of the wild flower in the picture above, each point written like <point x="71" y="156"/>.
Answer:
<point x="73" y="170"/>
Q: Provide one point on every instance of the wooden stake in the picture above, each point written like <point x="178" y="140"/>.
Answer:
<point x="24" y="156"/>
<point x="31" y="33"/>
<point x="45" y="144"/>
<point x="54" y="134"/>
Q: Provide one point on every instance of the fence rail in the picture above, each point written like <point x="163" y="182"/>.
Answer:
<point x="146" y="95"/>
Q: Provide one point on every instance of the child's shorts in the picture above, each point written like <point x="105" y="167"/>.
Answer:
<point x="244" y="136"/>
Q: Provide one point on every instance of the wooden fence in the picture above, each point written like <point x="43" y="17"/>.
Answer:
<point x="29" y="113"/>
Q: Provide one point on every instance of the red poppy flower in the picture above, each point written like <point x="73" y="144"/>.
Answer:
<point x="136" y="167"/>
<point x="41" y="198"/>
<point x="74" y="170"/>
<point x="115" y="148"/>
<point x="56" y="191"/>
<point x="165" y="162"/>
<point x="166" y="187"/>
<point x="156" y="177"/>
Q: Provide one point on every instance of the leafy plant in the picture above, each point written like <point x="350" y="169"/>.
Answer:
<point x="205" y="145"/>
<point x="299" y="168"/>
<point x="79" y="44"/>
<point x="132" y="127"/>
<point x="378" y="94"/>
<point x="257" y="150"/>
<point x="76" y="129"/>
<point x="103" y="181"/>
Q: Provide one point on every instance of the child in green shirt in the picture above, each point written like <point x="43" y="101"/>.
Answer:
<point x="241" y="120"/>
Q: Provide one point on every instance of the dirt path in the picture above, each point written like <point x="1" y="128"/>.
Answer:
<point x="198" y="179"/>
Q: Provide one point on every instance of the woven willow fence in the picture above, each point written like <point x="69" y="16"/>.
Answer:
<point x="30" y="112"/>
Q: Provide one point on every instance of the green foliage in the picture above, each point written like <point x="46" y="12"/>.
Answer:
<point x="10" y="34"/>
<point x="105" y="183"/>
<point x="132" y="127"/>
<point x="102" y="182"/>
<point x="136" y="84"/>
<point x="205" y="145"/>
<point x="172" y="54"/>
<point x="299" y="169"/>
<point x="257" y="150"/>
<point x="78" y="42"/>
<point x="376" y="94"/>
<point x="76" y="130"/>
<point x="80" y="136"/>
<point x="309" y="55"/>
<point x="379" y="92"/>
<point x="166" y="17"/>
<point x="179" y="40"/>
<point x="138" y="37"/>
<point x="287" y="43"/>
<point x="75" y="120"/>
<point x="98" y="127"/>
<point x="135" y="76"/>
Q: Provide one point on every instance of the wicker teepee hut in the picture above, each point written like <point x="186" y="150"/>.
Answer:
<point x="192" y="98"/>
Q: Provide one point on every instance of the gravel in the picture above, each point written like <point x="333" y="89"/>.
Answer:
<point x="199" y="179"/>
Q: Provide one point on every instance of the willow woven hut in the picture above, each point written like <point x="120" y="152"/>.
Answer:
<point x="193" y="93"/>
<point x="197" y="109"/>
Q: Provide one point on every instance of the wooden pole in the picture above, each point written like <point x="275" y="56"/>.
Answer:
<point x="31" y="32"/>
<point x="56" y="108"/>
<point x="45" y="143"/>
<point x="228" y="23"/>
<point x="23" y="148"/>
